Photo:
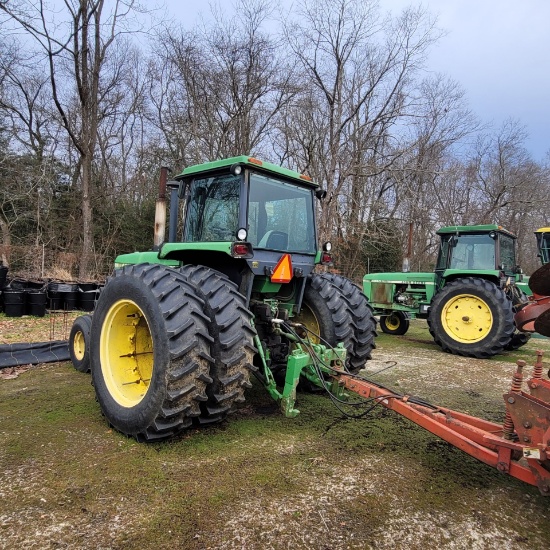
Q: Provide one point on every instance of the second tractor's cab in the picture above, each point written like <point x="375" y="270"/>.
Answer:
<point x="488" y="251"/>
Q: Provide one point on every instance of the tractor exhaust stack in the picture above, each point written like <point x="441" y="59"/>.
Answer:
<point x="160" y="210"/>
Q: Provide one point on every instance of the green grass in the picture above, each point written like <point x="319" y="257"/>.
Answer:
<point x="260" y="480"/>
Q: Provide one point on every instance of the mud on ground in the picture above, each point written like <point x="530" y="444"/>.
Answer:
<point x="262" y="481"/>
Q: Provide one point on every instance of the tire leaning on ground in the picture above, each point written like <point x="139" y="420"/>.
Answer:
<point x="230" y="325"/>
<point x="395" y="323"/>
<point x="79" y="343"/>
<point x="471" y="317"/>
<point x="150" y="352"/>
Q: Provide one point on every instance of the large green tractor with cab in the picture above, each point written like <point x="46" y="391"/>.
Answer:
<point x="469" y="300"/>
<point x="178" y="331"/>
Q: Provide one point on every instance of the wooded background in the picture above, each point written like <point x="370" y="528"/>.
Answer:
<point x="96" y="95"/>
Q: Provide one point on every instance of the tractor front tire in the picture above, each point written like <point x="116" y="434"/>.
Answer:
<point x="79" y="343"/>
<point x="471" y="317"/>
<point x="150" y="352"/>
<point x="230" y="324"/>
<point x="395" y="323"/>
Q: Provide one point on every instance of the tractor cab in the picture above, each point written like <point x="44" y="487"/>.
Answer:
<point x="543" y="244"/>
<point x="251" y="220"/>
<point x="248" y="219"/>
<point x="268" y="212"/>
<point x="483" y="250"/>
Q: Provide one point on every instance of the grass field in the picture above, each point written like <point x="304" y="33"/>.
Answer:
<point x="259" y="480"/>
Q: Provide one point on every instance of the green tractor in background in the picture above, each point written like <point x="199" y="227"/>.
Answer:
<point x="177" y="331"/>
<point x="470" y="299"/>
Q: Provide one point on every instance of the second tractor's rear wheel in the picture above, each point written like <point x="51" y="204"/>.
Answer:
<point x="518" y="340"/>
<point x="394" y="323"/>
<point x="150" y="352"/>
<point x="519" y="301"/>
<point x="471" y="317"/>
<point x="230" y="324"/>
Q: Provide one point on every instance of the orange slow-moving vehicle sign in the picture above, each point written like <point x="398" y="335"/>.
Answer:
<point x="283" y="270"/>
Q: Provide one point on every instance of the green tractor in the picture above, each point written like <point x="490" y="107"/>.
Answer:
<point x="470" y="299"/>
<point x="177" y="331"/>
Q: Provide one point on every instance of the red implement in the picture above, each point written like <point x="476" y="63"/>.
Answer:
<point x="519" y="447"/>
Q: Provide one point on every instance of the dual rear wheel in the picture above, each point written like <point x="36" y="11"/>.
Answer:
<point x="164" y="354"/>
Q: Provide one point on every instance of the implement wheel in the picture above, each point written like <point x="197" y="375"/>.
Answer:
<point x="79" y="343"/>
<point x="471" y="317"/>
<point x="150" y="352"/>
<point x="394" y="323"/>
<point x="230" y="325"/>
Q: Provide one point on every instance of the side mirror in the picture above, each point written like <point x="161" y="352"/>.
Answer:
<point x="320" y="194"/>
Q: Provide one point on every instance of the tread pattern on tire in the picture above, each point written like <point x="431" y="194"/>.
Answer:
<point x="354" y="321"/>
<point x="494" y="345"/>
<point x="233" y="347"/>
<point x="188" y="339"/>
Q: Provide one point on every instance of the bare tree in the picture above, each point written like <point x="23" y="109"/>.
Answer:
<point x="219" y="89"/>
<point x="75" y="46"/>
<point x="360" y="66"/>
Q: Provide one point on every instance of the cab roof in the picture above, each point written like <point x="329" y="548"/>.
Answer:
<point x="256" y="164"/>
<point x="474" y="229"/>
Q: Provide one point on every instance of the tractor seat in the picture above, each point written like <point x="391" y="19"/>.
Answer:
<point x="277" y="240"/>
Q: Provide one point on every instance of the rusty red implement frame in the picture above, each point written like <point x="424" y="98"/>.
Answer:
<point x="519" y="447"/>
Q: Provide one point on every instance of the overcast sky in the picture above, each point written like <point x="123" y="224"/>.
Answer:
<point x="498" y="50"/>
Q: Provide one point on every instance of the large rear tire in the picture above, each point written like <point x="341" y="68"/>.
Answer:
<point x="230" y="324"/>
<point x="79" y="343"/>
<point x="364" y="323"/>
<point x="395" y="323"/>
<point x="150" y="352"/>
<point x="327" y="312"/>
<point x="471" y="317"/>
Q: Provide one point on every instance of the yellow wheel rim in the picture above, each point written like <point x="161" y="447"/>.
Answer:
<point x="309" y="320"/>
<point x="392" y="322"/>
<point x="467" y="319"/>
<point x="126" y="352"/>
<point x="79" y="345"/>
